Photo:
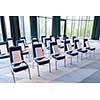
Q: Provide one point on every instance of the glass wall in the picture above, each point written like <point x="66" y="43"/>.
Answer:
<point x="1" y="36"/>
<point x="44" y="25"/>
<point x="21" y="26"/>
<point x="7" y="23"/>
<point x="80" y="26"/>
<point x="27" y="28"/>
<point x="62" y="26"/>
<point x="49" y="26"/>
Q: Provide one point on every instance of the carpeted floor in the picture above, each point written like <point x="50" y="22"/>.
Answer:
<point x="76" y="76"/>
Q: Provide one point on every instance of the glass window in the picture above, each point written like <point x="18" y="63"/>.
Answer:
<point x="62" y="27"/>
<point x="27" y="28"/>
<point x="1" y="37"/>
<point x="63" y="17"/>
<point x="68" y="31"/>
<point x="42" y="26"/>
<point x="89" y="29"/>
<point x="49" y="26"/>
<point x="21" y="25"/>
<point x="80" y="26"/>
<point x="76" y="30"/>
<point x="83" y="29"/>
<point x="7" y="22"/>
<point x="91" y="18"/>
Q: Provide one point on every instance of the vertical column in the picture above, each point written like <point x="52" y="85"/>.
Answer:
<point x="96" y="28"/>
<point x="56" y="25"/>
<point x="3" y="27"/>
<point x="14" y="25"/>
<point x="33" y="25"/>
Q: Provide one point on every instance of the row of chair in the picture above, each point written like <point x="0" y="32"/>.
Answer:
<point x="18" y="63"/>
<point x="4" y="47"/>
<point x="56" y="53"/>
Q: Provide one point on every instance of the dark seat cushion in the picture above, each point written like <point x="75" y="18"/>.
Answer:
<point x="82" y="50"/>
<point x="91" y="49"/>
<point x="58" y="56"/>
<point x="60" y="46"/>
<point x="72" y="53"/>
<point x="25" y="52"/>
<point x="4" y="56"/>
<point x="26" y="46"/>
<point x="48" y="48"/>
<point x="42" y="60"/>
<point x="20" y="66"/>
<point x="72" y="45"/>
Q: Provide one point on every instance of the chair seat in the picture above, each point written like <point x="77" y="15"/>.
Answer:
<point x="4" y="56"/>
<point x="26" y="46"/>
<point x="72" y="53"/>
<point x="42" y="60"/>
<point x="92" y="49"/>
<point x="48" y="48"/>
<point x="72" y="45"/>
<point x="20" y="66"/>
<point x="25" y="52"/>
<point x="58" y="56"/>
<point x="60" y="46"/>
<point x="82" y="50"/>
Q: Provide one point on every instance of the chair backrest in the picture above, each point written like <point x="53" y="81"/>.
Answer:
<point x="61" y="38"/>
<point x="3" y="48"/>
<point x="22" y="44"/>
<point x="65" y="37"/>
<point x="16" y="55"/>
<point x="67" y="46"/>
<point x="54" y="49"/>
<point x="86" y="43"/>
<point x="73" y="38"/>
<point x="77" y="44"/>
<point x="37" y="50"/>
<point x="10" y="42"/>
<point x="47" y="42"/>
<point x="43" y="39"/>
<point x="52" y="38"/>
<point x="35" y="41"/>
<point x="58" y="40"/>
<point x="24" y="39"/>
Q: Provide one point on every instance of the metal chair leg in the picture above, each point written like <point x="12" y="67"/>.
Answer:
<point x="86" y="55"/>
<point x="77" y="58"/>
<point x="29" y="57"/>
<point x="90" y="54"/>
<point x="94" y="53"/>
<point x="29" y="73"/>
<point x="81" y="56"/>
<point x="33" y="65"/>
<point x="56" y="64"/>
<point x="13" y="77"/>
<point x="49" y="67"/>
<point x="65" y="62"/>
<point x="38" y="70"/>
<point x="71" y="60"/>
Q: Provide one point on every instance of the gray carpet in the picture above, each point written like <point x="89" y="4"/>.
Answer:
<point x="77" y="76"/>
<point x="8" y="79"/>
<point x="93" y="65"/>
<point x="94" y="78"/>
